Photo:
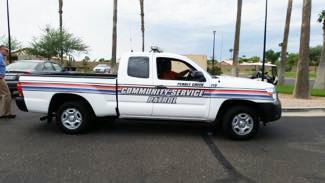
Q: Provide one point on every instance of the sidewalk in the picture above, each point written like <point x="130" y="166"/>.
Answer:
<point x="314" y="106"/>
<point x="288" y="101"/>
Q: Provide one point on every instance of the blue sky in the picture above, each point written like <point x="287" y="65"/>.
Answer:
<point x="177" y="26"/>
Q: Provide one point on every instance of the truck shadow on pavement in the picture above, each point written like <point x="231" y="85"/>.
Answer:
<point x="158" y="128"/>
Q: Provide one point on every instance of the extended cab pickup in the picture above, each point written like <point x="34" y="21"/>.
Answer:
<point x="142" y="91"/>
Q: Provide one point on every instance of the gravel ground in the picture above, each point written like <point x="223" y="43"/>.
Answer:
<point x="288" y="101"/>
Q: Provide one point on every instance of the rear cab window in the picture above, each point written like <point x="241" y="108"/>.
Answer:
<point x="138" y="67"/>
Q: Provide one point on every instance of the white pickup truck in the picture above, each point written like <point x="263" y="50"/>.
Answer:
<point x="140" y="91"/>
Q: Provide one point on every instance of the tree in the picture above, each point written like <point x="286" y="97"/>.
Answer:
<point x="254" y="59"/>
<point x="235" y="67"/>
<point x="314" y="55"/>
<point x="114" y="38"/>
<point x="272" y="56"/>
<point x="292" y="60"/>
<point x="49" y="44"/>
<point x="243" y="59"/>
<point x="85" y="64"/>
<point x="87" y="58"/>
<point x="284" y="44"/>
<point x="142" y="23"/>
<point x="301" y="89"/>
<point x="15" y="44"/>
<point x="320" y="78"/>
<point x="230" y="51"/>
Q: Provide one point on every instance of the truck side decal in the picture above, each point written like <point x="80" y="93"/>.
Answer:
<point x="162" y="92"/>
<point x="149" y="90"/>
<point x="69" y="88"/>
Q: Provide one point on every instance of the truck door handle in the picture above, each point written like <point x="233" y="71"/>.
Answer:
<point x="161" y="87"/>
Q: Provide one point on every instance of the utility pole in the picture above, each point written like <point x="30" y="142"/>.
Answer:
<point x="264" y="47"/>
<point x="214" y="37"/>
<point x="61" y="31"/>
<point x="9" y="37"/>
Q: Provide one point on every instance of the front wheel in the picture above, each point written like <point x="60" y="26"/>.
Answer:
<point x="73" y="117"/>
<point x="240" y="122"/>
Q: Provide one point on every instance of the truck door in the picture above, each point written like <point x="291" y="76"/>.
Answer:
<point x="179" y="95"/>
<point x="135" y="80"/>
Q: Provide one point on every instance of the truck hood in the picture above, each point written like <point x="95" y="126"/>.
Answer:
<point x="237" y="82"/>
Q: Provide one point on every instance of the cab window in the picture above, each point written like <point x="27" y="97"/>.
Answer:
<point x="138" y="67"/>
<point x="172" y="69"/>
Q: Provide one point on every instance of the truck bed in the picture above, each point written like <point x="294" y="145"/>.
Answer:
<point x="98" y="90"/>
<point x="77" y="75"/>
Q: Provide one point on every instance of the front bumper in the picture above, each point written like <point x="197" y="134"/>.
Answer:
<point x="270" y="111"/>
<point x="20" y="102"/>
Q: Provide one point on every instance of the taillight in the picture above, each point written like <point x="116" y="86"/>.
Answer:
<point x="19" y="89"/>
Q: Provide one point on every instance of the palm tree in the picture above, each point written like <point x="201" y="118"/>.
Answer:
<point x="285" y="44"/>
<point x="114" y="38"/>
<point x="320" y="79"/>
<point x="302" y="80"/>
<point x="235" y="68"/>
<point x="142" y="23"/>
<point x="60" y="12"/>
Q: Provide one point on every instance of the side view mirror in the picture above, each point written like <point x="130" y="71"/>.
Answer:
<point x="198" y="76"/>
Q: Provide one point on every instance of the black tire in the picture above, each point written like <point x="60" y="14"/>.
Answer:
<point x="240" y="123"/>
<point x="73" y="117"/>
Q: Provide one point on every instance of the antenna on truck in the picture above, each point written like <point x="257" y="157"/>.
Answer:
<point x="130" y="31"/>
<point x="156" y="49"/>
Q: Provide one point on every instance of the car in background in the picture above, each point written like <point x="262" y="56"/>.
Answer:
<point x="102" y="68"/>
<point x="28" y="67"/>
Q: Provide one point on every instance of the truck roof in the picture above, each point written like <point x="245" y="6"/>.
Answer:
<point x="165" y="54"/>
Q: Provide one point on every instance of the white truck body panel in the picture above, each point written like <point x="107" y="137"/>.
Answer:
<point x="134" y="105"/>
<point x="100" y="93"/>
<point x="142" y="97"/>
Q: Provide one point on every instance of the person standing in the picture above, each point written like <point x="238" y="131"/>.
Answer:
<point x="5" y="105"/>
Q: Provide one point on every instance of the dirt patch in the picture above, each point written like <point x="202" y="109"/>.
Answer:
<point x="289" y="101"/>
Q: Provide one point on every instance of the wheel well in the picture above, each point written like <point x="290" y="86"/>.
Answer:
<point x="229" y="103"/>
<point x="58" y="99"/>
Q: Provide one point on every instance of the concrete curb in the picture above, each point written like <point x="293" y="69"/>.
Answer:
<point x="303" y="112"/>
<point x="303" y="109"/>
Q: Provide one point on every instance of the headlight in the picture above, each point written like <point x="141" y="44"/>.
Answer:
<point x="272" y="92"/>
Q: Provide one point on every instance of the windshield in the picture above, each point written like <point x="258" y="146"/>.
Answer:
<point x="22" y="66"/>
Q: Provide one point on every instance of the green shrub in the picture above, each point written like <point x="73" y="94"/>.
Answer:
<point x="215" y="71"/>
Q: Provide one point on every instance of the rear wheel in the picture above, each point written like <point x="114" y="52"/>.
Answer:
<point x="240" y="122"/>
<point x="73" y="117"/>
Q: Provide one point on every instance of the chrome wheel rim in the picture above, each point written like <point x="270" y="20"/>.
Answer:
<point x="242" y="124"/>
<point x="71" y="118"/>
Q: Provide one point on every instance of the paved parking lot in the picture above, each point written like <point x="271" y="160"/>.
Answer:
<point x="291" y="150"/>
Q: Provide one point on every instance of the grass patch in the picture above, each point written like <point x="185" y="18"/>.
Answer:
<point x="288" y="89"/>
<point x="318" y="92"/>
<point x="312" y="75"/>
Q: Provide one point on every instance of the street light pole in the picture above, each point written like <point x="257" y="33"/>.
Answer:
<point x="9" y="37"/>
<point x="263" y="66"/>
<point x="214" y="37"/>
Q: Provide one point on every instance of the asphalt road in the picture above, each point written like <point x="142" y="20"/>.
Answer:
<point x="290" y="150"/>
